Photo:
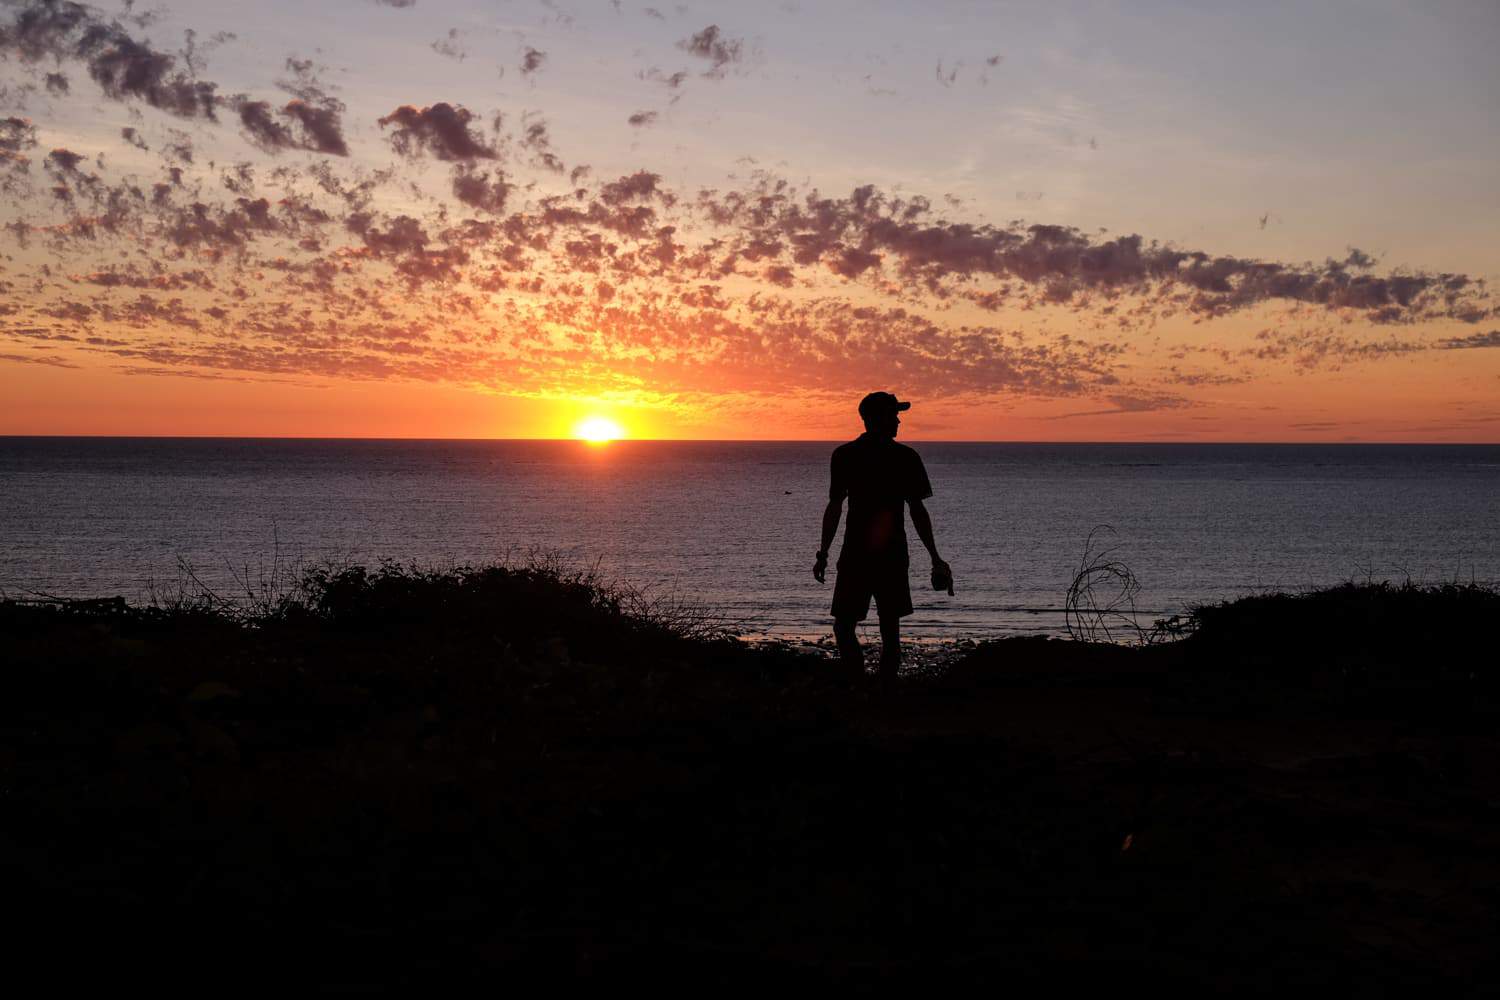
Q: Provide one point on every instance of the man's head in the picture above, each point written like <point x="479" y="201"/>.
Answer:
<point x="881" y="412"/>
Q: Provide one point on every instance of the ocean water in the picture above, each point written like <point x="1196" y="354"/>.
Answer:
<point x="735" y="524"/>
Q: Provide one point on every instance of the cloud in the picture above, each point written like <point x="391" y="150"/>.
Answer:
<point x="483" y="190"/>
<point x="129" y="276"/>
<point x="671" y="82"/>
<point x="65" y="160"/>
<point x="451" y="46"/>
<point x="1173" y="376"/>
<point x="639" y="186"/>
<point x="442" y="130"/>
<point x="411" y="250"/>
<point x="193" y="52"/>
<point x="319" y="125"/>
<point x="17" y="135"/>
<point x="538" y="140"/>
<point x="1489" y="339"/>
<point x="295" y="125"/>
<point x="780" y="275"/>
<point x="216" y="228"/>
<point x="178" y="147"/>
<point x="1132" y="403"/>
<point x="317" y="115"/>
<point x="62" y="166"/>
<point x="532" y="60"/>
<point x="1061" y="264"/>
<point x="52" y="361"/>
<point x="124" y="68"/>
<point x="1321" y="347"/>
<point x="712" y="44"/>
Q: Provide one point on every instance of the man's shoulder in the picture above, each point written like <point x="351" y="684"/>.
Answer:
<point x="847" y="448"/>
<point x="885" y="447"/>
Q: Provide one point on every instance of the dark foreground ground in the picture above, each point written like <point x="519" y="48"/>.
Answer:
<point x="495" y="778"/>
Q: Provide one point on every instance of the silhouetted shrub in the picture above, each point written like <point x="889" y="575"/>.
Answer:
<point x="1358" y="641"/>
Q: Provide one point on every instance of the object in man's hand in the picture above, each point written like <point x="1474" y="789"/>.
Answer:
<point x="942" y="577"/>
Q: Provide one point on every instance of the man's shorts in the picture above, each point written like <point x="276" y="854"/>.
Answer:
<point x="855" y="584"/>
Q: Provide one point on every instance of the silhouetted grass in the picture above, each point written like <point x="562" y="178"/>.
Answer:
<point x="537" y="592"/>
<point x="1400" y="644"/>
<point x="394" y="777"/>
<point x="1405" y="619"/>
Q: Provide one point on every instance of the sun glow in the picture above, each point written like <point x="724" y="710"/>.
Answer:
<point x="598" y="430"/>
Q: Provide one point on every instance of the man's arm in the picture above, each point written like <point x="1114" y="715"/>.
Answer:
<point x="942" y="575"/>
<point x="922" y="521"/>
<point x="838" y="488"/>
<point x="831" y="515"/>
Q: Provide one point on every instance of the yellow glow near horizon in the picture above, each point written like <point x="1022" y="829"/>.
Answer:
<point x="598" y="430"/>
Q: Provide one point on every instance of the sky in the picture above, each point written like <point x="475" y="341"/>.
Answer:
<point x="1057" y="221"/>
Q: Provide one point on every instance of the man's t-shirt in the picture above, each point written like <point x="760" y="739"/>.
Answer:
<point x="878" y="476"/>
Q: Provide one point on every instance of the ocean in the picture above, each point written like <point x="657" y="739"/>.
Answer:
<point x="734" y="525"/>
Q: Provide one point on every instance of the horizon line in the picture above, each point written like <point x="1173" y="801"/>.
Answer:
<point x="666" y="440"/>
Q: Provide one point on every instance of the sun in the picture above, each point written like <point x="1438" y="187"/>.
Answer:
<point x="598" y="430"/>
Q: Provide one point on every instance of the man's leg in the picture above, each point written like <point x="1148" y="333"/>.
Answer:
<point x="890" y="646"/>
<point x="851" y="656"/>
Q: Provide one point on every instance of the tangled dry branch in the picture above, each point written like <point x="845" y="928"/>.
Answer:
<point x="1100" y="603"/>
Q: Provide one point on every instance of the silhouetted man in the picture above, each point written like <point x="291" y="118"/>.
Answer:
<point x="879" y="477"/>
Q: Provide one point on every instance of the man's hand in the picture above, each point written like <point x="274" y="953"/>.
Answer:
<point x="942" y="576"/>
<point x="820" y="567"/>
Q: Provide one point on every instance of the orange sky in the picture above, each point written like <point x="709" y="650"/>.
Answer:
<point x="43" y="400"/>
<point x="683" y="227"/>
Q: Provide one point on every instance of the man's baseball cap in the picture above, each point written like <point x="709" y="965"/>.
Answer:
<point x="879" y="404"/>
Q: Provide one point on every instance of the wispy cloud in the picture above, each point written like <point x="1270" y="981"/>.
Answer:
<point x="1131" y="403"/>
<point x="1490" y="338"/>
<point x="717" y="48"/>
<point x="51" y="361"/>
